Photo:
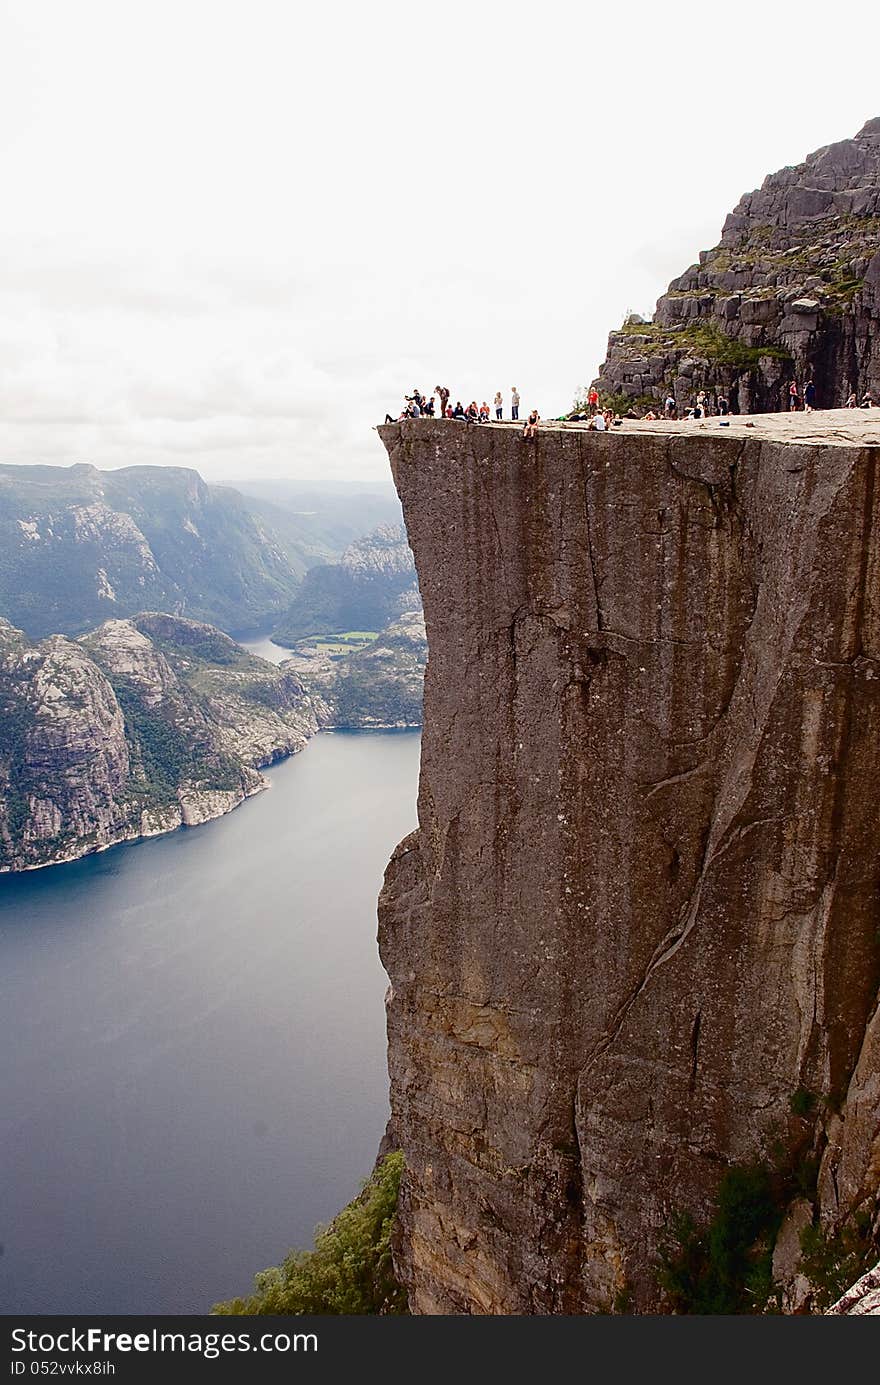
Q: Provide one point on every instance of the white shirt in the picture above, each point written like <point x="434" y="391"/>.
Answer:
<point x="600" y="424"/>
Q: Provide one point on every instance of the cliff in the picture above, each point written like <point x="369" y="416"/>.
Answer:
<point x="791" y="290"/>
<point x="141" y="727"/>
<point x="633" y="943"/>
<point x="863" y="1299"/>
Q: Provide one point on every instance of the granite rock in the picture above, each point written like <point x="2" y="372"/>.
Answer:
<point x="792" y="290"/>
<point x="639" y="912"/>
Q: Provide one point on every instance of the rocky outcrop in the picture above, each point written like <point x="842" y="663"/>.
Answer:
<point x="791" y="291"/>
<point x="143" y="726"/>
<point x="863" y="1299"/>
<point x="82" y="545"/>
<point x="377" y="687"/>
<point x="633" y="941"/>
<point x="374" y="583"/>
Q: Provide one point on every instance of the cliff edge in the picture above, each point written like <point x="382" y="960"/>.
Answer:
<point x="633" y="942"/>
<point x="791" y="290"/>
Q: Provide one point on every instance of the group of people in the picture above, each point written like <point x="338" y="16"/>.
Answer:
<point x="794" y="397"/>
<point x="437" y="405"/>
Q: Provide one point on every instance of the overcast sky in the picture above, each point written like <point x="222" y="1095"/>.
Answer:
<point x="234" y="232"/>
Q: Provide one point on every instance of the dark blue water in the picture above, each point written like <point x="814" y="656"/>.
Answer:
<point x="194" y="1052"/>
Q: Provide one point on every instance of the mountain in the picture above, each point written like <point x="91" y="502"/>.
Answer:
<point x="633" y="1015"/>
<point x="322" y="517"/>
<point x="78" y="545"/>
<point x="792" y="291"/>
<point x="140" y="727"/>
<point x="377" y="686"/>
<point x="374" y="582"/>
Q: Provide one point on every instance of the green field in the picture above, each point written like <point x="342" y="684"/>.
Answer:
<point x="337" y="646"/>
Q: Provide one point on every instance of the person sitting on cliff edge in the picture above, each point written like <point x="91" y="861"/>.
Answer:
<point x="530" y="427"/>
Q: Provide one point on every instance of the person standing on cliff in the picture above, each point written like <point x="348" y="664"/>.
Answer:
<point x="593" y="400"/>
<point x="809" y="396"/>
<point x="514" y="403"/>
<point x="793" y="397"/>
<point x="443" y="392"/>
<point x="499" y="406"/>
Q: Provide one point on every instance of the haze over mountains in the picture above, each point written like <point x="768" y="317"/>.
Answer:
<point x="78" y="545"/>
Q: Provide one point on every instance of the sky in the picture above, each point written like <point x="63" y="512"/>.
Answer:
<point x="235" y="232"/>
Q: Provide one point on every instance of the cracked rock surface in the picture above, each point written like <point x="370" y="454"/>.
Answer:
<point x="640" y="909"/>
<point x="791" y="290"/>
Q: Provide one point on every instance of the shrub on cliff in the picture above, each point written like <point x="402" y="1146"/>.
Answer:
<point x="349" y="1271"/>
<point x="726" y="1266"/>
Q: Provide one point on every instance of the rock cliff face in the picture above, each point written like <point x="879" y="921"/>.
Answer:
<point x="78" y="545"/>
<point x="792" y="290"/>
<point x="863" y="1299"/>
<point x="141" y="727"/>
<point x="634" y="939"/>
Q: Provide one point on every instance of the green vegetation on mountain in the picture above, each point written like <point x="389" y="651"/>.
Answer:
<point x="134" y="729"/>
<point x="78" y="545"/>
<point x="374" y="582"/>
<point x="368" y="684"/>
<point x="348" y="1271"/>
<point x="726" y="1265"/>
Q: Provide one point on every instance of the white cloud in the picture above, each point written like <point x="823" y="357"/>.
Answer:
<point x="235" y="233"/>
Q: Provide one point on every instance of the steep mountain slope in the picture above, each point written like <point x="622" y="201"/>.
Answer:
<point x="374" y="582"/>
<point x="791" y="291"/>
<point x="377" y="686"/>
<point x="633" y="944"/>
<point x="78" y="545"/>
<point x="140" y="727"/>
